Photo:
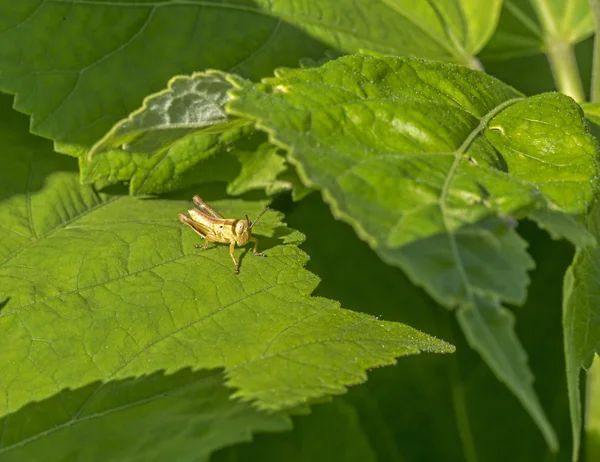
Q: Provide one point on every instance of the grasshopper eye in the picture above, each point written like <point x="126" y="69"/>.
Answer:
<point x="240" y="227"/>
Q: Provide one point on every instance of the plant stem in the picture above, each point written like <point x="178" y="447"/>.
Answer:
<point x="592" y="418"/>
<point x="476" y="64"/>
<point x="595" y="88"/>
<point x="564" y="69"/>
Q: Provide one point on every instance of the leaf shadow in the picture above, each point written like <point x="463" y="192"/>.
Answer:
<point x="265" y="243"/>
<point x="209" y="191"/>
<point x="155" y="413"/>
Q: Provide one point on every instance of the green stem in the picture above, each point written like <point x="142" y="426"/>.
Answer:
<point x="595" y="90"/>
<point x="592" y="418"/>
<point x="476" y="64"/>
<point x="564" y="69"/>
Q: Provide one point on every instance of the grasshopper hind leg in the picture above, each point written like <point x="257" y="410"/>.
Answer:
<point x="186" y="221"/>
<point x="203" y="247"/>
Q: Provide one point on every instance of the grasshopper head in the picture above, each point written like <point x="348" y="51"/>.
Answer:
<point x="243" y="228"/>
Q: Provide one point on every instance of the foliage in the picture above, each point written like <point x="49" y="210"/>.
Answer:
<point x="432" y="179"/>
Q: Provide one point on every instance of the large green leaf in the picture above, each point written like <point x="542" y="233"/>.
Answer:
<point x="77" y="81"/>
<point x="529" y="27"/>
<point x="420" y="158"/>
<point x="581" y="321"/>
<point x="101" y="288"/>
<point x="434" y="408"/>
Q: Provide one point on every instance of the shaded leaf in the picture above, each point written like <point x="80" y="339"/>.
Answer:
<point x="260" y="169"/>
<point x="185" y="416"/>
<point x="561" y="226"/>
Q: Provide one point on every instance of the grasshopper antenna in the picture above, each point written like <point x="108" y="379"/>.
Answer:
<point x="260" y="215"/>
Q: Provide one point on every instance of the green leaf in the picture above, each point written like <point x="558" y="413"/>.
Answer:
<point x="436" y="408"/>
<point x="189" y="104"/>
<point x="239" y="156"/>
<point x="529" y="27"/>
<point x="481" y="21"/>
<point x="581" y="321"/>
<point x="101" y="288"/>
<point x="55" y="55"/>
<point x="193" y="412"/>
<point x="182" y="136"/>
<point x="561" y="226"/>
<point x="260" y="170"/>
<point x="418" y="157"/>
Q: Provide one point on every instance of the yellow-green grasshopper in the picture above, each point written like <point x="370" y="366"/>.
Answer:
<point x="212" y="227"/>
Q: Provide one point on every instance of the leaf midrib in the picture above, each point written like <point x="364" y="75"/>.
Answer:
<point x="448" y="183"/>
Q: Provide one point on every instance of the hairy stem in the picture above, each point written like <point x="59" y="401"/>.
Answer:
<point x="564" y="69"/>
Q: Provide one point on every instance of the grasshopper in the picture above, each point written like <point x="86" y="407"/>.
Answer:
<point x="212" y="227"/>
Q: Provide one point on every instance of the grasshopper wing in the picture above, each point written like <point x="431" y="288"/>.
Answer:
<point x="204" y="207"/>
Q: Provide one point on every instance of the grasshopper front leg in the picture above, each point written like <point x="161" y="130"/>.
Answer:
<point x="254" y="252"/>
<point x="235" y="262"/>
